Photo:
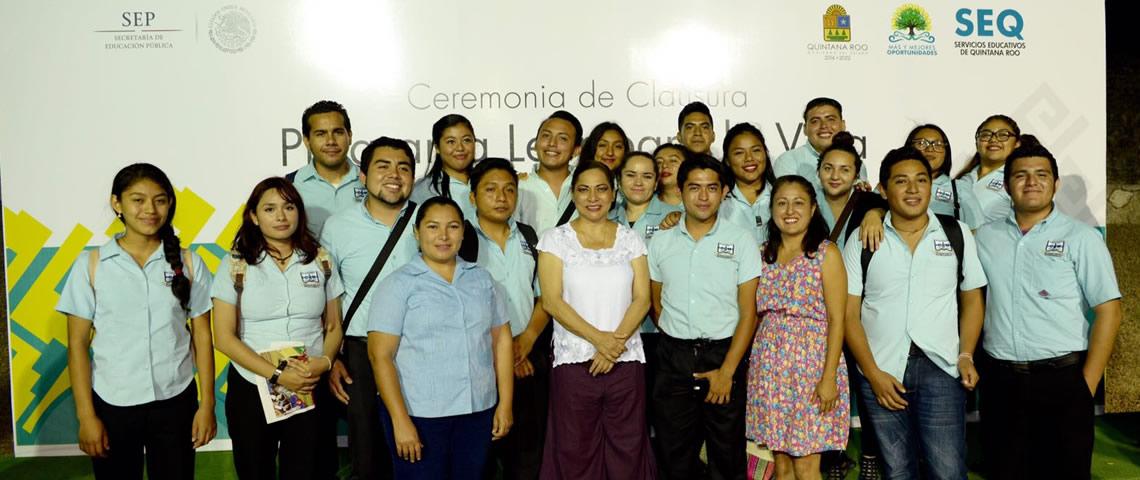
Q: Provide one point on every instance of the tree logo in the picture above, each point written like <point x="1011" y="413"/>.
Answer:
<point x="911" y="23"/>
<point x="836" y="24"/>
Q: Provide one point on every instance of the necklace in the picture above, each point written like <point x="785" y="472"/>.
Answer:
<point x="282" y="260"/>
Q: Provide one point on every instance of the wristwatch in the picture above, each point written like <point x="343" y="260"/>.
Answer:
<point x="277" y="373"/>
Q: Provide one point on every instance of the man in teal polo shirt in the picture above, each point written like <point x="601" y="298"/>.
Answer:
<point x="823" y="118"/>
<point x="354" y="237"/>
<point x="510" y="257"/>
<point x="912" y="327"/>
<point x="703" y="274"/>
<point x="1046" y="270"/>
<point x="330" y="183"/>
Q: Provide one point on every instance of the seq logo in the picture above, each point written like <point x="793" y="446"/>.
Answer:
<point x="990" y="33"/>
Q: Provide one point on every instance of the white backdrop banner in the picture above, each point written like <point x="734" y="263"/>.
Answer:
<point x="212" y="92"/>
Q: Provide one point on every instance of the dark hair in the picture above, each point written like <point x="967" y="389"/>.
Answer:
<point x="569" y="117"/>
<point x="639" y="153"/>
<point x="438" y="178"/>
<point x="694" y="107"/>
<point x="977" y="158"/>
<point x="492" y="163"/>
<point x="685" y="156"/>
<point x="1030" y="147"/>
<point x="843" y="142"/>
<point x="590" y="147"/>
<point x="323" y="106"/>
<point x="817" y="227"/>
<point x="701" y="161"/>
<point x="587" y="165"/>
<point x="899" y="155"/>
<point x="171" y="245"/>
<point x="822" y="102"/>
<point x="384" y="142"/>
<point x="946" y="163"/>
<point x="249" y="242"/>
<point x="767" y="177"/>
<point x="422" y="209"/>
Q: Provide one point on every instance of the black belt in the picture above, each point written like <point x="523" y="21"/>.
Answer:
<point x="1054" y="363"/>
<point x="696" y="342"/>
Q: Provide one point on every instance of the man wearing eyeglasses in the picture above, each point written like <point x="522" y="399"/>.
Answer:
<point x="1046" y="270"/>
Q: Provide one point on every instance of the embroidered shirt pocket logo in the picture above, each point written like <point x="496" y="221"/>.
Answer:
<point x="943" y="195"/>
<point x="725" y="250"/>
<point x="1055" y="248"/>
<point x="311" y="279"/>
<point x="943" y="248"/>
<point x="996" y="185"/>
<point x="650" y="230"/>
<point x="359" y="192"/>
<point x="167" y="277"/>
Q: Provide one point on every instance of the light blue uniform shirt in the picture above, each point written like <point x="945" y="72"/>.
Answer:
<point x="538" y="207"/>
<point x="990" y="193"/>
<point x="752" y="217"/>
<point x="354" y="239"/>
<point x="460" y="192"/>
<point x="700" y="278"/>
<point x="513" y="270"/>
<point x="322" y="199"/>
<point x="279" y="306"/>
<point x="830" y="217"/>
<point x="942" y="200"/>
<point x="1041" y="284"/>
<point x="803" y="161"/>
<point x="912" y="298"/>
<point x="646" y="226"/>
<point x="445" y="361"/>
<point x="141" y="349"/>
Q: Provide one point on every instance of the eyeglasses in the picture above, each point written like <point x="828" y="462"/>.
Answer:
<point x="1000" y="135"/>
<point x="924" y="144"/>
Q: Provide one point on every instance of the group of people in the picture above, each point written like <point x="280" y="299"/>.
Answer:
<point x="629" y="315"/>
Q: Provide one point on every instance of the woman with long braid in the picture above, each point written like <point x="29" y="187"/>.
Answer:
<point x="131" y="355"/>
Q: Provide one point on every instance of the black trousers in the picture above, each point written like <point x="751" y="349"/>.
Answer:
<point x="162" y="427"/>
<point x="685" y="420"/>
<point x="520" y="452"/>
<point x="367" y="446"/>
<point x="286" y="449"/>
<point x="1037" y="419"/>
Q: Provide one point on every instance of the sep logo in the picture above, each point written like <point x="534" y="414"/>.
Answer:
<point x="1009" y="23"/>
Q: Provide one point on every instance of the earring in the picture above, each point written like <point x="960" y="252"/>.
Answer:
<point x="119" y="214"/>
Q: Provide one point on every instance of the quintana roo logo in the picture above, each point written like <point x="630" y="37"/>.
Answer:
<point x="232" y="29"/>
<point x="911" y="23"/>
<point x="836" y="24"/>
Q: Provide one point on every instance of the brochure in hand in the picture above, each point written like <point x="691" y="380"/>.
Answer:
<point x="278" y="402"/>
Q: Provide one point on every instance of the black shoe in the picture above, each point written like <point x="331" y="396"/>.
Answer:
<point x="869" y="468"/>
<point x="838" y="470"/>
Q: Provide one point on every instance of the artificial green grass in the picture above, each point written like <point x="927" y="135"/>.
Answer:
<point x="1116" y="457"/>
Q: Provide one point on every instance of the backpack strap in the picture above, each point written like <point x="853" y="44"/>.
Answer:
<point x="378" y="264"/>
<point x="325" y="262"/>
<point x="957" y="204"/>
<point x="840" y="222"/>
<point x="187" y="265"/>
<point x="953" y="232"/>
<point x="92" y="263"/>
<point x="531" y="238"/>
<point x="237" y="275"/>
<point x="864" y="262"/>
<point x="566" y="214"/>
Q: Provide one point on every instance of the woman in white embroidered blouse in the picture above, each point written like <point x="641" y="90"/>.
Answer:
<point x="594" y="278"/>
